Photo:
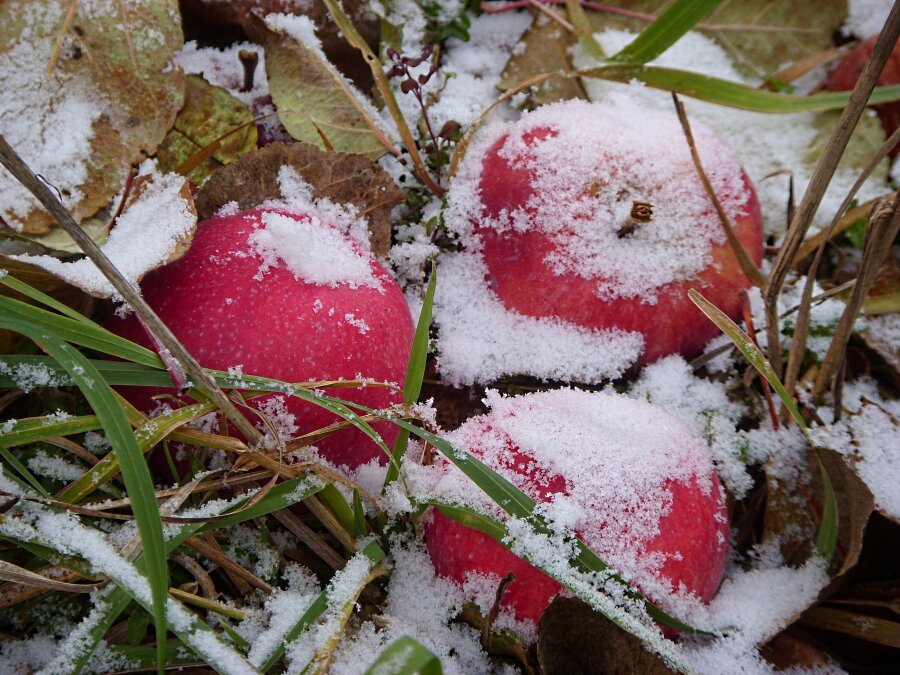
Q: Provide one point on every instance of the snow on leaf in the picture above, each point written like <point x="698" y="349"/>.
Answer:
<point x="86" y="93"/>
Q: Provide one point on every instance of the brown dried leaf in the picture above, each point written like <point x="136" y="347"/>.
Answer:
<point x="792" y="511"/>
<point x="573" y="638"/>
<point x="341" y="177"/>
<point x="544" y="48"/>
<point x="112" y="83"/>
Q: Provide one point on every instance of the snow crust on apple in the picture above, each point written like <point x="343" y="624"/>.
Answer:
<point x="582" y="227"/>
<point x="634" y="481"/>
<point x="284" y="291"/>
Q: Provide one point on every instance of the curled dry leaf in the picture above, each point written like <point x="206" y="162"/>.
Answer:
<point x="315" y="102"/>
<point x="573" y="638"/>
<point x="154" y="228"/>
<point x="209" y="113"/>
<point x="341" y="177"/>
<point x="88" y="90"/>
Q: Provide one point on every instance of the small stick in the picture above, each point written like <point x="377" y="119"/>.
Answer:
<point x="553" y="14"/>
<point x="129" y="292"/>
<point x="747" y="265"/>
<point x="825" y="169"/>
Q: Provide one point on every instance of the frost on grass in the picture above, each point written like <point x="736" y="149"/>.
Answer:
<point x="28" y="376"/>
<point x="149" y="232"/>
<point x="766" y="143"/>
<point x="419" y="605"/>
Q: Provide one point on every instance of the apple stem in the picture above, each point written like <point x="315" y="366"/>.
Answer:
<point x="10" y="159"/>
<point x="249" y="59"/>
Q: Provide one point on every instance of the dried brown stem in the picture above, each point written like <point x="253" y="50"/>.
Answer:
<point x="746" y="262"/>
<point x="884" y="224"/>
<point x="804" y="315"/>
<point x="822" y="177"/>
<point x="215" y="554"/>
<point x="129" y="292"/>
<point x="309" y="537"/>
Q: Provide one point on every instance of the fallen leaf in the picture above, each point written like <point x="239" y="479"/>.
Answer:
<point x="86" y="94"/>
<point x="786" y="651"/>
<point x="341" y="177"/>
<point x="315" y="102"/>
<point x="209" y="113"/>
<point x="574" y="639"/>
<point x="542" y="49"/>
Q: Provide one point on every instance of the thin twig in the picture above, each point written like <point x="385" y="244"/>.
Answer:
<point x="884" y="225"/>
<point x="804" y="316"/>
<point x="215" y="554"/>
<point x="552" y="13"/>
<point x="746" y="262"/>
<point x="309" y="537"/>
<point x="822" y="177"/>
<point x="129" y="292"/>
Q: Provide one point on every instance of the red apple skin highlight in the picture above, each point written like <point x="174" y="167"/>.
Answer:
<point x="696" y="527"/>
<point x="848" y="70"/>
<point x="281" y="327"/>
<point x="524" y="282"/>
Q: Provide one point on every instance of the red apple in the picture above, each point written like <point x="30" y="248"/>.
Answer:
<point x="635" y="483"/>
<point x="285" y="295"/>
<point x="594" y="214"/>
<point x="848" y="70"/>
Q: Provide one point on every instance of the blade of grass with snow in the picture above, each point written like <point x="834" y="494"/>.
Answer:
<point x="405" y="656"/>
<point x="372" y="554"/>
<point x="678" y="19"/>
<point x="127" y="451"/>
<point x="826" y="540"/>
<point x="415" y="372"/>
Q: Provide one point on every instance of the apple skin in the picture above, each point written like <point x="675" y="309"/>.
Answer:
<point x="848" y="70"/>
<point x="520" y="276"/>
<point x="696" y="527"/>
<point x="275" y="327"/>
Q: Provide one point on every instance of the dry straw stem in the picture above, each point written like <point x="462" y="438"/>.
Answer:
<point x="801" y="329"/>
<point x="309" y="537"/>
<point x="746" y="262"/>
<point x="822" y="177"/>
<point x="216" y="555"/>
<point x="884" y="224"/>
<point x="14" y="164"/>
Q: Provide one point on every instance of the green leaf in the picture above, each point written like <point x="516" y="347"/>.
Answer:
<point x="359" y="516"/>
<point x="678" y="19"/>
<point x="406" y="656"/>
<point x="731" y="94"/>
<point x="415" y="373"/>
<point x="339" y="507"/>
<point x="209" y="113"/>
<point x="826" y="540"/>
<point x="34" y="429"/>
<point x="127" y="451"/>
<point x="314" y="100"/>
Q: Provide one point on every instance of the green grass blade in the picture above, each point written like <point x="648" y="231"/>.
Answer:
<point x="359" y="516"/>
<point x="678" y="19"/>
<point x="406" y="656"/>
<point x="826" y="539"/>
<point x="415" y="373"/>
<point x="22" y="471"/>
<point x="34" y="429"/>
<point x="335" y="501"/>
<point x="127" y="451"/>
<point x="148" y="436"/>
<point x="38" y="296"/>
<point x="84" y="334"/>
<point x="731" y="94"/>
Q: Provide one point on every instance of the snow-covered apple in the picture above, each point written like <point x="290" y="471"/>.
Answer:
<point x="285" y="294"/>
<point x="594" y="214"/>
<point x="635" y="483"/>
<point x="848" y="70"/>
